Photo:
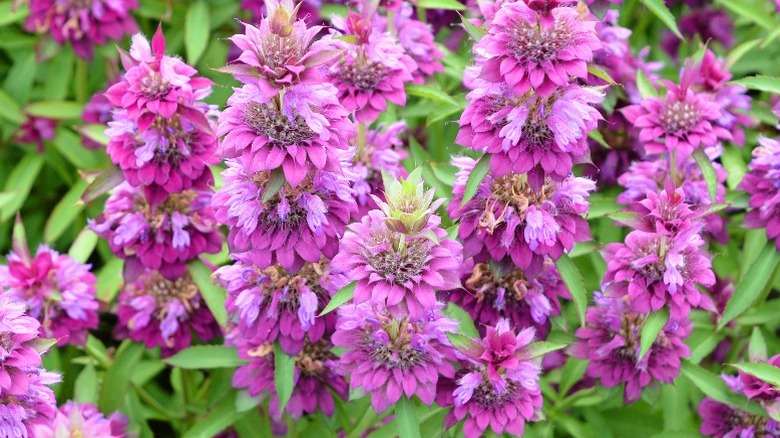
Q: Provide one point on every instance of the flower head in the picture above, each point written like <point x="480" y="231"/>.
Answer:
<point x="162" y="312"/>
<point x="762" y="182"/>
<point x="724" y="421"/>
<point x="98" y="111"/>
<point x="162" y="237"/>
<point x="83" y="23"/>
<point x="82" y="420"/>
<point x="388" y="356"/>
<point x="611" y="341"/>
<point x="36" y="130"/>
<point x="59" y="291"/>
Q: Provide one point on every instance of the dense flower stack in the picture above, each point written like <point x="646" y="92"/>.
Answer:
<point x="161" y="138"/>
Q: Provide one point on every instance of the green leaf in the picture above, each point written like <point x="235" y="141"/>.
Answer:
<point x="205" y="357"/>
<point x="118" y="376"/>
<point x="72" y="148"/>
<point x="749" y="11"/>
<point x="9" y="109"/>
<point x="196" y="30"/>
<point x="462" y="343"/>
<point x="596" y="136"/>
<point x="219" y="419"/>
<point x="213" y="295"/>
<point x="757" y="347"/>
<point x="465" y="321"/>
<point x="476" y="176"/>
<point x="102" y="183"/>
<point x="761" y="83"/>
<point x="84" y="245"/>
<point x="574" y="282"/>
<point x="738" y="52"/>
<point x="708" y="172"/>
<point x="12" y="13"/>
<point x="450" y="5"/>
<point x="734" y="164"/>
<point x="284" y="373"/>
<point x="94" y="132"/>
<point x="6" y="198"/>
<point x="109" y="279"/>
<point x="97" y="351"/>
<point x="65" y="212"/>
<point x="714" y="387"/>
<point x="476" y="32"/>
<point x="20" y="181"/>
<point x="539" y="349"/>
<point x="661" y="11"/>
<point x="275" y="183"/>
<point x="762" y="371"/>
<point x="55" y="109"/>
<point x="645" y="87"/>
<point x="430" y="92"/>
<point x="342" y="296"/>
<point x="653" y="325"/>
<point x="86" y="388"/>
<point x="601" y="74"/>
<point x="406" y="419"/>
<point x="752" y="284"/>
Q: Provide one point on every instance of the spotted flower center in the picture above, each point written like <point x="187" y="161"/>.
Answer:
<point x="173" y="142"/>
<point x="311" y="360"/>
<point x="153" y="86"/>
<point x="180" y="202"/>
<point x="537" y="134"/>
<point x="398" y="265"/>
<point x="363" y="75"/>
<point x="278" y="52"/>
<point x="6" y="344"/>
<point x="397" y="351"/>
<point x="489" y="398"/>
<point x="277" y="126"/>
<point x="80" y="4"/>
<point x="511" y="190"/>
<point x="531" y="42"/>
<point x="486" y="285"/>
<point x="164" y="290"/>
<point x="679" y="116"/>
<point x="309" y="276"/>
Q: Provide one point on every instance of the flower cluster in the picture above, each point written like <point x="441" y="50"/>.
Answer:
<point x="762" y="182"/>
<point x="82" y="420"/>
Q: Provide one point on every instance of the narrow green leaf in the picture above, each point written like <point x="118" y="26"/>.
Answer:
<point x="20" y="181"/>
<point x="757" y="347"/>
<point x="761" y="83"/>
<point x="109" y="279"/>
<point x="284" y="373"/>
<point x="476" y="32"/>
<point x="708" y="172"/>
<point x="406" y="419"/>
<point x="450" y="5"/>
<point x="9" y="109"/>
<point x="762" y="371"/>
<point x="465" y="321"/>
<point x="12" y="13"/>
<point x="751" y="12"/>
<point x="275" y="184"/>
<point x="738" y="52"/>
<point x="752" y="284"/>
<point x="86" y="388"/>
<point x="71" y="146"/>
<point x="97" y="351"/>
<point x="213" y="295"/>
<point x="65" y="212"/>
<point x="476" y="176"/>
<point x="539" y="349"/>
<point x="430" y="92"/>
<point x="661" y="11"/>
<point x="6" y="197"/>
<point x="118" y="376"/>
<point x="601" y="74"/>
<point x="463" y="343"/>
<point x="205" y="357"/>
<point x="734" y="164"/>
<point x="55" y="109"/>
<point x="196" y="30"/>
<point x="574" y="282"/>
<point x="714" y="387"/>
<point x="94" y="132"/>
<point x="84" y="245"/>
<point x="645" y="87"/>
<point x="104" y="182"/>
<point x="217" y="420"/>
<point x="596" y="136"/>
<point x="653" y="325"/>
<point x="342" y="296"/>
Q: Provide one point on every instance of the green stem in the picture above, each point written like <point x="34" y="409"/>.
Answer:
<point x="82" y="93"/>
<point x="361" y="140"/>
<point x="154" y="404"/>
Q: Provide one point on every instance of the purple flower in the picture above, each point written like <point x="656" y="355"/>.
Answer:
<point x="528" y="50"/>
<point x="305" y="126"/>
<point x="500" y="290"/>
<point x="296" y="225"/>
<point x="371" y="71"/>
<point x="36" y="130"/>
<point x="315" y="379"/>
<point x="273" y="303"/>
<point x="82" y="23"/>
<point x="508" y="218"/>
<point x="162" y="312"/>
<point x="98" y="112"/>
<point x="497" y="385"/>
<point x="762" y="182"/>
<point x="402" y="272"/>
<point x="755" y="388"/>
<point x="724" y="421"/>
<point x="610" y="340"/>
<point x="162" y="237"/>
<point x="82" y="420"/>
<point x="541" y="136"/>
<point x="390" y="357"/>
<point x="707" y="24"/>
<point x="417" y="39"/>
<point x="59" y="291"/>
<point x="22" y="413"/>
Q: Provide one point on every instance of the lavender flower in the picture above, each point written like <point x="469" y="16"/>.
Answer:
<point x="762" y="182"/>
<point x="82" y="420"/>
<point x="724" y="421"/>
<point x="390" y="357"/>
<point x="36" y="130"/>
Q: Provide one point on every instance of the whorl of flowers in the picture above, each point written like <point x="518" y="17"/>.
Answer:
<point x="610" y="340"/>
<point x="762" y="182"/>
<point x="389" y="357"/>
<point x="399" y="255"/>
<point x="417" y="38"/>
<point x="538" y="49"/>
<point x="315" y="379"/>
<point x="59" y="291"/>
<point x="82" y="420"/>
<point x="158" y="311"/>
<point x="372" y="69"/>
<point x="273" y="303"/>
<point x="161" y="135"/>
<point x="661" y="261"/>
<point x="497" y="385"/>
<point x="25" y="400"/>
<point x="297" y="224"/>
<point x="495" y="290"/>
<point x="162" y="237"/>
<point x="82" y="23"/>
<point x="508" y="218"/>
